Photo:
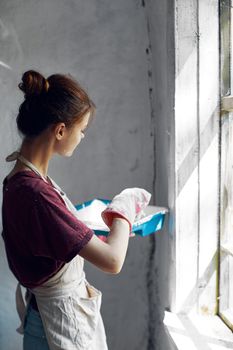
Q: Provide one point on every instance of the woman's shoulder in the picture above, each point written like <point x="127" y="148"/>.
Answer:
<point x="28" y="185"/>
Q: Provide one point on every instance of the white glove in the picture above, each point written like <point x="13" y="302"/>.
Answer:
<point x="126" y="204"/>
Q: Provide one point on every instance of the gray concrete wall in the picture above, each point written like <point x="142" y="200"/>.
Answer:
<point x="161" y="79"/>
<point x="105" y="46"/>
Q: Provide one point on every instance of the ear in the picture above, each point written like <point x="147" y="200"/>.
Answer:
<point x="60" y="130"/>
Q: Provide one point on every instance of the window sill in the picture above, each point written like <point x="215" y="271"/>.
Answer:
<point x="197" y="332"/>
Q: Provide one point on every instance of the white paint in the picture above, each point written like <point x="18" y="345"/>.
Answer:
<point x="196" y="156"/>
<point x="4" y="65"/>
<point x="91" y="215"/>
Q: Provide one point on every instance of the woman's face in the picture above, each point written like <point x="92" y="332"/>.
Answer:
<point x="69" y="138"/>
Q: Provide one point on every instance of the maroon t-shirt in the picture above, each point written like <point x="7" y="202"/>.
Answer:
<point x="39" y="231"/>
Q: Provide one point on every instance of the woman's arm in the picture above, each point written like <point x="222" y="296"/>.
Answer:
<point x="109" y="256"/>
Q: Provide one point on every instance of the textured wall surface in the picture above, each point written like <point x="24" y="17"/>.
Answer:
<point x="161" y="79"/>
<point x="197" y="155"/>
<point x="107" y="47"/>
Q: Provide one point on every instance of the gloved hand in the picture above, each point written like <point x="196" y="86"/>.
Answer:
<point x="127" y="204"/>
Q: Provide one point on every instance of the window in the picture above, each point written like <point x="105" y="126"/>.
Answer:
<point x="225" y="289"/>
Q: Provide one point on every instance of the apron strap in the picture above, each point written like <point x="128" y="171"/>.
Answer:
<point x="16" y="155"/>
<point x="13" y="156"/>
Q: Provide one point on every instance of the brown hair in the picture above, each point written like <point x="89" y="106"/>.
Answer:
<point x="59" y="98"/>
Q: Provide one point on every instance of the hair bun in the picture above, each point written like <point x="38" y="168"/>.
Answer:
<point x="33" y="83"/>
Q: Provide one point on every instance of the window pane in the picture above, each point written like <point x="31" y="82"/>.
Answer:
<point x="226" y="287"/>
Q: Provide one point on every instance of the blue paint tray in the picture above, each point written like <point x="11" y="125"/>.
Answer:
<point x="150" y="220"/>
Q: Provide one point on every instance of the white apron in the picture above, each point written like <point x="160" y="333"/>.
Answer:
<point x="69" y="305"/>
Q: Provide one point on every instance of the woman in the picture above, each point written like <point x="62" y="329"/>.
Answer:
<point x="45" y="242"/>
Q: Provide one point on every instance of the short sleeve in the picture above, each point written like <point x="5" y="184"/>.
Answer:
<point x="55" y="231"/>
